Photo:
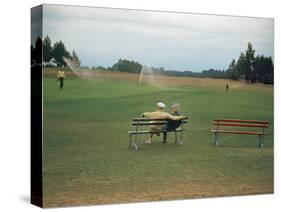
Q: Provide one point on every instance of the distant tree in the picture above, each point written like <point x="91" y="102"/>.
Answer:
<point x="75" y="58"/>
<point x="241" y="65"/>
<point x="127" y="66"/>
<point x="232" y="71"/>
<point x="249" y="71"/>
<point x="267" y="80"/>
<point x="36" y="52"/>
<point x="47" y="49"/>
<point x="264" y="69"/>
<point x="60" y="52"/>
<point x="253" y="68"/>
<point x="162" y="69"/>
<point x="31" y="54"/>
<point x="101" y="68"/>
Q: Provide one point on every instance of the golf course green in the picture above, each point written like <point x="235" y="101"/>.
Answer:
<point x="85" y="141"/>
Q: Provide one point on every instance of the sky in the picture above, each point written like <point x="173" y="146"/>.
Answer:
<point x="175" y="41"/>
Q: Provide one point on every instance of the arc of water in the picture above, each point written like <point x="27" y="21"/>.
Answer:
<point x="146" y="75"/>
<point x="81" y="73"/>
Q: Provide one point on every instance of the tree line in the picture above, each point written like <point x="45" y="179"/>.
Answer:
<point x="248" y="67"/>
<point x="251" y="68"/>
<point x="210" y="73"/>
<point x="125" y="65"/>
<point x="51" y="52"/>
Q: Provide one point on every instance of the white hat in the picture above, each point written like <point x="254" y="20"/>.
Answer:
<point x="175" y="105"/>
<point x="160" y="105"/>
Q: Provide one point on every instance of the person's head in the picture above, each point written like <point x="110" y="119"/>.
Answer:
<point x="175" y="107"/>
<point x="160" y="106"/>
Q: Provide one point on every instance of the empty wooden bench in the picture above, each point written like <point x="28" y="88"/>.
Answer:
<point x="234" y="126"/>
<point x="142" y="126"/>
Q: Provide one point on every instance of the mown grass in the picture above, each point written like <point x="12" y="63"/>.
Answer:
<point x="87" y="159"/>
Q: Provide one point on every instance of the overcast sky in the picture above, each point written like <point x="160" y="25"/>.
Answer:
<point x="171" y="40"/>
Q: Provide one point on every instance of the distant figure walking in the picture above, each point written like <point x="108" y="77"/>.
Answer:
<point x="60" y="77"/>
<point x="226" y="87"/>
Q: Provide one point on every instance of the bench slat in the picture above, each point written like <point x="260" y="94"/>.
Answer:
<point x="242" y="121"/>
<point x="148" y="123"/>
<point x="153" y="119"/>
<point x="149" y="131"/>
<point x="148" y="119"/>
<point x="241" y="125"/>
<point x="238" y="132"/>
<point x="145" y="123"/>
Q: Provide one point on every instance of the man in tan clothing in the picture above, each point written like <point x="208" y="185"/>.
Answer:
<point x="60" y="77"/>
<point x="161" y="114"/>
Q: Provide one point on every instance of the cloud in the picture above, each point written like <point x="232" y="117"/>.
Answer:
<point x="171" y="40"/>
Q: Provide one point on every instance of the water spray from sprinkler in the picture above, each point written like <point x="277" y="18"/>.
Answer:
<point x="80" y="72"/>
<point x="147" y="75"/>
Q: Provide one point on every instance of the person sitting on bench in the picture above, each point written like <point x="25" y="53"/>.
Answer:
<point x="172" y="125"/>
<point x="161" y="114"/>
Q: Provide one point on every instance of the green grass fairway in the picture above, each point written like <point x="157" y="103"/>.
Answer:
<point x="87" y="159"/>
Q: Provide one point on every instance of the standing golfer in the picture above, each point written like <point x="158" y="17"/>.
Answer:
<point x="160" y="114"/>
<point x="60" y="77"/>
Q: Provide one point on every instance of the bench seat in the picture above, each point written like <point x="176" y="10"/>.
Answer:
<point x="149" y="131"/>
<point x="238" y="132"/>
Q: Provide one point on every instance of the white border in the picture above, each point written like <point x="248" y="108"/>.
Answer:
<point x="15" y="117"/>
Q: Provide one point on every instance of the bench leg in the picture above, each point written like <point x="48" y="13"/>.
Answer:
<point x="165" y="137"/>
<point x="136" y="141"/>
<point x="181" y="141"/>
<point x="261" y="139"/>
<point x="130" y="144"/>
<point x="176" y="137"/>
<point x="216" y="142"/>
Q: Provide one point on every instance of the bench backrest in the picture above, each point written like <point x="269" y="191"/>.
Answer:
<point x="152" y="121"/>
<point x="241" y="123"/>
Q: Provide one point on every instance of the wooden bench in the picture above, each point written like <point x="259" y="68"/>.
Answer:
<point x="142" y="126"/>
<point x="223" y="127"/>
